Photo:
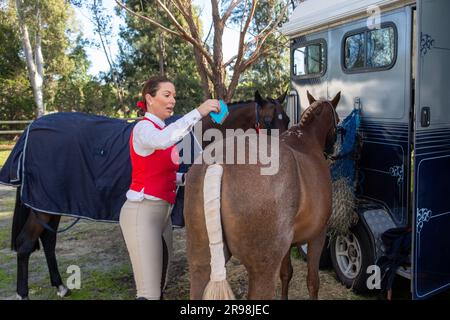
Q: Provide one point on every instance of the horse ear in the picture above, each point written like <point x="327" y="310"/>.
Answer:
<point x="311" y="99"/>
<point x="336" y="99"/>
<point x="281" y="98"/>
<point x="258" y="98"/>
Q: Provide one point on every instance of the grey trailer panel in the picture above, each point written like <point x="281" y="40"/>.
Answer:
<point x="384" y="95"/>
<point x="431" y="212"/>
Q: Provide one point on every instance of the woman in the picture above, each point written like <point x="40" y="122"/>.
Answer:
<point x="145" y="216"/>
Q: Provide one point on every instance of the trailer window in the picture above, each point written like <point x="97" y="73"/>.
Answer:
<point x="370" y="50"/>
<point x="380" y="47"/>
<point x="354" y="51"/>
<point x="308" y="60"/>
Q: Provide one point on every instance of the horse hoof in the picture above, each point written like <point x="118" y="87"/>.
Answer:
<point x="19" y="297"/>
<point x="63" y="291"/>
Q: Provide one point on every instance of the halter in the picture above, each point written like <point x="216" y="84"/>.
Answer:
<point x="334" y="114"/>
<point x="337" y="128"/>
<point x="257" y="125"/>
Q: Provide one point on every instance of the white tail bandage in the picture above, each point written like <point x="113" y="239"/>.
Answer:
<point x="211" y="194"/>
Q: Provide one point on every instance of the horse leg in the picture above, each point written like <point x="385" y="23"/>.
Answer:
<point x="262" y="282"/>
<point x="199" y="278"/>
<point x="286" y="275"/>
<point x="26" y="243"/>
<point x="315" y="247"/>
<point x="48" y="239"/>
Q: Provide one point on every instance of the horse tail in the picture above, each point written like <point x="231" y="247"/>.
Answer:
<point x="217" y="287"/>
<point x="20" y="217"/>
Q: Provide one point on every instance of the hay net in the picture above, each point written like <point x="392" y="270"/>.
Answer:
<point x="344" y="175"/>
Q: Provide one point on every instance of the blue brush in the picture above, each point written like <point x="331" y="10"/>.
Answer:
<point x="221" y="116"/>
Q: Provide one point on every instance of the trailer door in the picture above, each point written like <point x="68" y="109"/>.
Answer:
<point x="431" y="206"/>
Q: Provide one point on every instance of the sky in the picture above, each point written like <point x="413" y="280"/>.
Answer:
<point x="97" y="56"/>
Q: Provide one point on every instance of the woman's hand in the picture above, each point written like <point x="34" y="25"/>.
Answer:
<point x="210" y="105"/>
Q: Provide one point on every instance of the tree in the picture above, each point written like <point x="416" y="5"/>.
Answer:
<point x="79" y="91"/>
<point x="16" y="95"/>
<point x="142" y="53"/>
<point x="67" y="86"/>
<point x="209" y="60"/>
<point x="42" y="25"/>
<point x="35" y="62"/>
<point x="270" y="72"/>
<point x="103" y="28"/>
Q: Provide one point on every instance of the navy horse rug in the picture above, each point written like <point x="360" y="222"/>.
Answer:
<point x="74" y="164"/>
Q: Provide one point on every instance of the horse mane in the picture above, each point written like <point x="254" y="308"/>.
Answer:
<point x="239" y="104"/>
<point x="310" y="113"/>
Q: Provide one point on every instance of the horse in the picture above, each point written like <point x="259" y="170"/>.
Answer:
<point x="31" y="224"/>
<point x="234" y="210"/>
<point x="259" y="114"/>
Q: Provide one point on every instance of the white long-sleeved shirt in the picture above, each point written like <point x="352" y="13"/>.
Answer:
<point x="147" y="138"/>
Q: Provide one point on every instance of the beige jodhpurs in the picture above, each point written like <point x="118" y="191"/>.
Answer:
<point x="144" y="225"/>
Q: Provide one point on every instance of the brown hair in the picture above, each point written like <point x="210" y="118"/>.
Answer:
<point x="152" y="85"/>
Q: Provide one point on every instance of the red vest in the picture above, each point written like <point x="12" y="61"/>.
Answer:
<point x="156" y="173"/>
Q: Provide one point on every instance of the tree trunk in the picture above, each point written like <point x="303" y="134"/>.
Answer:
<point x="202" y="70"/>
<point x="96" y="11"/>
<point x="218" y="68"/>
<point x="211" y="68"/>
<point x="161" y="54"/>
<point x="35" y="65"/>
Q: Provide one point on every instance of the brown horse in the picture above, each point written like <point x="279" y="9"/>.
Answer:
<point x="30" y="225"/>
<point x="263" y="215"/>
<point x="262" y="113"/>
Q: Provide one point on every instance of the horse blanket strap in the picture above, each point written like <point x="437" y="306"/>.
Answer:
<point x="43" y="223"/>
<point x="70" y="226"/>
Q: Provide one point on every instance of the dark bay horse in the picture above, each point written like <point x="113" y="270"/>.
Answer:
<point x="258" y="114"/>
<point x="30" y="225"/>
<point x="261" y="216"/>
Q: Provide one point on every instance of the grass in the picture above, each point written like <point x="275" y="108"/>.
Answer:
<point x="5" y="279"/>
<point x="4" y="154"/>
<point x="5" y="238"/>
<point x="5" y="149"/>
<point x="115" y="284"/>
<point x="294" y="253"/>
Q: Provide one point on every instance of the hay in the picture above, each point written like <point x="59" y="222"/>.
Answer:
<point x="344" y="172"/>
<point x="344" y="208"/>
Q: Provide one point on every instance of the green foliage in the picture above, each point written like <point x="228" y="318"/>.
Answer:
<point x="79" y="91"/>
<point x="16" y="96"/>
<point x="67" y="85"/>
<point x="270" y="73"/>
<point x="140" y="56"/>
<point x="294" y="253"/>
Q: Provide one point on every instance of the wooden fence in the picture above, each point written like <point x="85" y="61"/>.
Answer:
<point x="14" y="122"/>
<point x="26" y="122"/>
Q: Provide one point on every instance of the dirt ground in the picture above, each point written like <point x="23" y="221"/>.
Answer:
<point x="99" y="250"/>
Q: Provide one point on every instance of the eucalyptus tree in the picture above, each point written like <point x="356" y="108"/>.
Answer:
<point x="184" y="23"/>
